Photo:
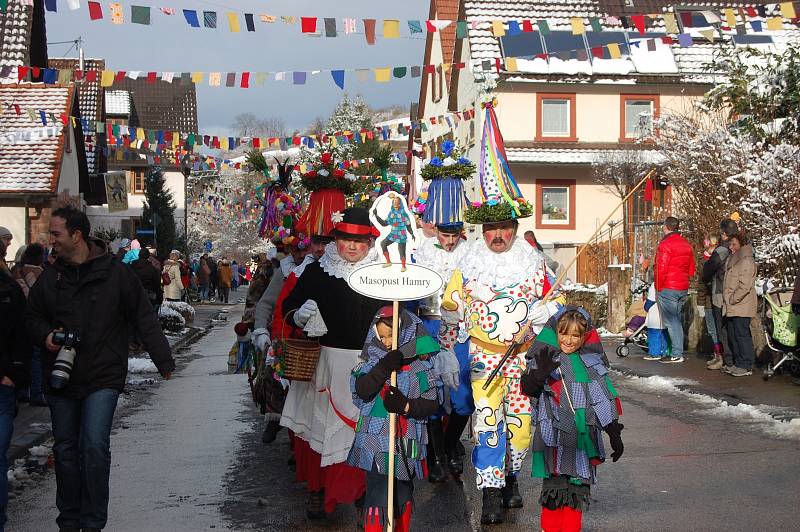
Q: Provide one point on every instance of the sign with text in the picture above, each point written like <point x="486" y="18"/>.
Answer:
<point x="393" y="283"/>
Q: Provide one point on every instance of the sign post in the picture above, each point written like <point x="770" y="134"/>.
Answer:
<point x="394" y="279"/>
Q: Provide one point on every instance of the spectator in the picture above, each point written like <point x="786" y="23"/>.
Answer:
<point x="674" y="267"/>
<point x="530" y="238"/>
<point x="203" y="277"/>
<point x="224" y="276"/>
<point x="259" y="280"/>
<point x="235" y="276"/>
<point x="714" y="274"/>
<point x="740" y="304"/>
<point x="186" y="276"/>
<point x="26" y="271"/>
<point x="710" y="243"/>
<point x="213" y="281"/>
<point x="5" y="242"/>
<point x="89" y="294"/>
<point x="172" y="268"/>
<point x="149" y="277"/>
<point x="15" y="352"/>
<point x="124" y="247"/>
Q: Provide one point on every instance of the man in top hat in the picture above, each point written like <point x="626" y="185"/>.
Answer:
<point x="321" y="413"/>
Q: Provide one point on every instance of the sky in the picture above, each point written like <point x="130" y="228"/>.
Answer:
<point x="170" y="44"/>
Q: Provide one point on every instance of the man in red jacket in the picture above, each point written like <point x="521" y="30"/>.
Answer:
<point x="674" y="267"/>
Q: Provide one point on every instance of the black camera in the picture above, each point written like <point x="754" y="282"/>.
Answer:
<point x="62" y="367"/>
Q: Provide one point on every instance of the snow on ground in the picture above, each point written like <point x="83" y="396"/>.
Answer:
<point x="758" y="417"/>
<point x="141" y="365"/>
<point x="605" y="333"/>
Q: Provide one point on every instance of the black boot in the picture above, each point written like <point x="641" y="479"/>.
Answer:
<point x="436" y="454"/>
<point x="270" y="431"/>
<point x="315" y="507"/>
<point x="511" y="496"/>
<point x="452" y="443"/>
<point x="492" y="512"/>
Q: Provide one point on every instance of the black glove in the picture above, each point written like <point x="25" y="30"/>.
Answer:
<point x="533" y="381"/>
<point x="391" y="361"/>
<point x="614" y="431"/>
<point x="796" y="308"/>
<point x="394" y="401"/>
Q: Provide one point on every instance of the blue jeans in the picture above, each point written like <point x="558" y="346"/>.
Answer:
<point x="8" y="411"/>
<point x="82" y="433"/>
<point x="203" y="292"/>
<point x="670" y="303"/>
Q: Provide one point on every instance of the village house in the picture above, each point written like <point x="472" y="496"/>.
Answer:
<point x="574" y="91"/>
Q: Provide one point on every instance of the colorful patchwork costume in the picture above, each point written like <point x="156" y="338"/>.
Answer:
<point x="571" y="408"/>
<point x="489" y="300"/>
<point x="370" y="451"/>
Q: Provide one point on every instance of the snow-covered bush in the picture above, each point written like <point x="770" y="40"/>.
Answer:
<point x="170" y="319"/>
<point x="182" y="308"/>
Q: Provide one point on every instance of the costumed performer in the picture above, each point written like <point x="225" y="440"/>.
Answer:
<point x="574" y="402"/>
<point x="321" y="413"/>
<point x="413" y="399"/>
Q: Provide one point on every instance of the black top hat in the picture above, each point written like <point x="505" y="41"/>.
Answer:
<point x="355" y="222"/>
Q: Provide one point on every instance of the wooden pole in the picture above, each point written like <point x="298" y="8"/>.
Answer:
<point x="392" y="424"/>
<point x="551" y="294"/>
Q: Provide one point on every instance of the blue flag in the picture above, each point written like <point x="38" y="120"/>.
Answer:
<point x="338" y="78"/>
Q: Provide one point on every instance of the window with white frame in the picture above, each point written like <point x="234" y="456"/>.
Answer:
<point x="556" y="117"/>
<point x="639" y="118"/>
<point x="555" y="205"/>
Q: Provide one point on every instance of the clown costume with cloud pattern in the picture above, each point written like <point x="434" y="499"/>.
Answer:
<point x="489" y="299"/>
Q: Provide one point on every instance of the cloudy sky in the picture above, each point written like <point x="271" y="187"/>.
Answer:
<point x="169" y="44"/>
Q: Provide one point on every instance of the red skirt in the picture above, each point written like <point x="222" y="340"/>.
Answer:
<point x="343" y="483"/>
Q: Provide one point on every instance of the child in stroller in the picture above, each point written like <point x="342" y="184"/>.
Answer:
<point x="781" y="322"/>
<point x="636" y="327"/>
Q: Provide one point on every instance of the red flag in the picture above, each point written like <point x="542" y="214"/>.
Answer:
<point x="597" y="51"/>
<point x="430" y="27"/>
<point x="527" y="27"/>
<point x="429" y="69"/>
<point x="638" y="21"/>
<point x="256" y="142"/>
<point x="95" y="11"/>
<point x="22" y="71"/>
<point x="308" y="24"/>
<point x="245" y="80"/>
<point x="648" y="190"/>
<point x="120" y="75"/>
<point x="151" y="77"/>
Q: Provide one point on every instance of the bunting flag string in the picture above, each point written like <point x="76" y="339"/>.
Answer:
<point x="729" y="18"/>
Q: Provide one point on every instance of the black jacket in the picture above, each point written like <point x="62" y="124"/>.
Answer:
<point x="100" y="300"/>
<point x="15" y="349"/>
<point x="150" y="278"/>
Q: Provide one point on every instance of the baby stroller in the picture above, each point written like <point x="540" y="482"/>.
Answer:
<point x="638" y="338"/>
<point x="780" y="330"/>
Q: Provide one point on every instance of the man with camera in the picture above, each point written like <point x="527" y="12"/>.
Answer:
<point x="81" y="310"/>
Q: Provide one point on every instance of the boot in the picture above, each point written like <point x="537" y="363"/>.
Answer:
<point x="571" y="519"/>
<point x="492" y="512"/>
<point x="403" y="522"/>
<point x="511" y="496"/>
<point x="715" y="364"/>
<point x="315" y="507"/>
<point x="436" y="454"/>
<point x="452" y="443"/>
<point x="372" y="520"/>
<point x="270" y="431"/>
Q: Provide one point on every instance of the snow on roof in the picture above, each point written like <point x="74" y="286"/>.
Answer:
<point x="571" y="155"/>
<point x="32" y="163"/>
<point x="671" y="61"/>
<point x="15" y="34"/>
<point x="118" y="102"/>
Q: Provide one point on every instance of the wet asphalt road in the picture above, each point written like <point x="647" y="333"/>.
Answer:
<point x="187" y="456"/>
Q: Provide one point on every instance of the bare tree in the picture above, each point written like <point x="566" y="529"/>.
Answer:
<point x="317" y="126"/>
<point x="249" y="125"/>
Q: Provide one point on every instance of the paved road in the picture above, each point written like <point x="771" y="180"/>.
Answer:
<point x="188" y="457"/>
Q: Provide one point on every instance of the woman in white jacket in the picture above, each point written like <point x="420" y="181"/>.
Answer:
<point x="174" y="290"/>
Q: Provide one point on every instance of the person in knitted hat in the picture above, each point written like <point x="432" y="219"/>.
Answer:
<point x="323" y="421"/>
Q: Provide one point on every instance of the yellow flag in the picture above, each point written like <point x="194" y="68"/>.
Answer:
<point x="498" y="28"/>
<point x="577" y="26"/>
<point x="303" y="168"/>
<point x="197" y="77"/>
<point x="613" y="50"/>
<point x="233" y="22"/>
<point x="107" y="78"/>
<point x="775" y="23"/>
<point x="708" y="34"/>
<point x="787" y="10"/>
<point x="176" y="139"/>
<point x="670" y="24"/>
<point x="730" y="17"/>
<point x="382" y="75"/>
<point x="140" y="133"/>
<point x="391" y="29"/>
<point x="223" y="143"/>
<point x="511" y="64"/>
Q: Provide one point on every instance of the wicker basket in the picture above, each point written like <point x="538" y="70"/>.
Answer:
<point x="300" y="356"/>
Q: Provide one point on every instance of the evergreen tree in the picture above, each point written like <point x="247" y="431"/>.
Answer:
<point x="158" y="201"/>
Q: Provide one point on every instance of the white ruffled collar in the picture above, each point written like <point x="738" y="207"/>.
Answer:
<point x="432" y="255"/>
<point x="335" y="266"/>
<point x="501" y="269"/>
<point x="300" y="268"/>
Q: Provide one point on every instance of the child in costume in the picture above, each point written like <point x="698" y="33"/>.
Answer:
<point x="573" y="402"/>
<point x="414" y="399"/>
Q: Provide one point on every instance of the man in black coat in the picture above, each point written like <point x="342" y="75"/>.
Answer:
<point x="90" y="294"/>
<point x="15" y="358"/>
<point x="149" y="276"/>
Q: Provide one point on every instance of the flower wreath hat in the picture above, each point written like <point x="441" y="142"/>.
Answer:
<point x="328" y="181"/>
<point x="501" y="199"/>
